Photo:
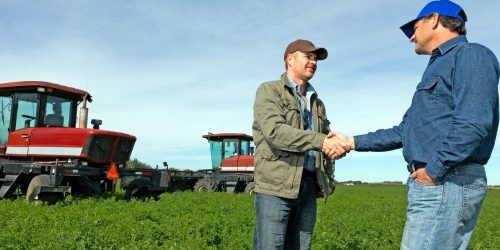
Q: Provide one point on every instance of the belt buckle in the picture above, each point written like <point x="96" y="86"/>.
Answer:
<point x="413" y="166"/>
<point x="410" y="167"/>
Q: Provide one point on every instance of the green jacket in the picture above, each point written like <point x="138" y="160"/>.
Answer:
<point x="281" y="141"/>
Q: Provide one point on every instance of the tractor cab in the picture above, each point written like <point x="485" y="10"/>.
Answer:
<point x="231" y="152"/>
<point x="37" y="104"/>
<point x="38" y="121"/>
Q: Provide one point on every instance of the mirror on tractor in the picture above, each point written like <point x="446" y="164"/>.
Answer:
<point x="96" y="123"/>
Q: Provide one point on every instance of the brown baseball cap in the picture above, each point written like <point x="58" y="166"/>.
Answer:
<point x="305" y="46"/>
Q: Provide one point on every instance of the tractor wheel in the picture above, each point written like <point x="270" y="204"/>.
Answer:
<point x="250" y="188"/>
<point x="204" y="185"/>
<point x="33" y="193"/>
<point x="139" y="189"/>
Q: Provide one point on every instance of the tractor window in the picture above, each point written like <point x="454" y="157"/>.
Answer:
<point x="245" y="147"/>
<point x="5" y="110"/>
<point x="57" y="112"/>
<point x="230" y="148"/>
<point x="26" y="110"/>
<point x="216" y="153"/>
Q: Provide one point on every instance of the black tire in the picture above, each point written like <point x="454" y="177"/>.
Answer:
<point x="33" y="192"/>
<point x="126" y="180"/>
<point x="139" y="189"/>
<point x="250" y="188"/>
<point x="204" y="185"/>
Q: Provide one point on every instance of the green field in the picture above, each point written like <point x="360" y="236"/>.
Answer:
<point x="356" y="217"/>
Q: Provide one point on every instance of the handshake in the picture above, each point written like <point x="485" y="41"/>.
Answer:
<point x="337" y="145"/>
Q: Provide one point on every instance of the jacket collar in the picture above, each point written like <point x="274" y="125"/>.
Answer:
<point x="285" y="81"/>
<point x="288" y="83"/>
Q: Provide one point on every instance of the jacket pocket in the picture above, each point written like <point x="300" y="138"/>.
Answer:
<point x="273" y="169"/>
<point x="425" y="99"/>
<point x="274" y="155"/>
<point x="292" y="115"/>
<point x="428" y="83"/>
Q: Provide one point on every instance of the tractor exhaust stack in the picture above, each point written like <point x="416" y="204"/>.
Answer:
<point x="84" y="112"/>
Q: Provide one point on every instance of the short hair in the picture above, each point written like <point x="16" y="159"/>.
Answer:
<point x="286" y="62"/>
<point x="451" y="23"/>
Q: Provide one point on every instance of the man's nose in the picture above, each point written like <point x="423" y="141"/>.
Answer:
<point x="412" y="38"/>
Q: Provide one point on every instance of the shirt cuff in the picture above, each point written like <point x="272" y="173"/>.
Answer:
<point x="436" y="170"/>
<point x="359" y="142"/>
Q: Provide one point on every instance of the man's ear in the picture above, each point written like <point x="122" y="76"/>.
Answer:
<point x="434" y="20"/>
<point x="289" y="59"/>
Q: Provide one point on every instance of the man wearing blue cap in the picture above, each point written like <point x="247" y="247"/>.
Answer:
<point x="447" y="134"/>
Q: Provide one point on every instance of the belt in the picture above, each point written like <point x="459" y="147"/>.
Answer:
<point x="414" y="165"/>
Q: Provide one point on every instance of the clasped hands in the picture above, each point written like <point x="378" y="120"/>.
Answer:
<point x="337" y="145"/>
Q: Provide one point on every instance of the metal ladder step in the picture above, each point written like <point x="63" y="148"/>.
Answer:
<point x="8" y="178"/>
<point x="230" y="186"/>
<point x="231" y="183"/>
<point x="6" y="184"/>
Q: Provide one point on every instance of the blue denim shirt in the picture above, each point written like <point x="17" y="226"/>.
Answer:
<point x="453" y="117"/>
<point x="310" y="156"/>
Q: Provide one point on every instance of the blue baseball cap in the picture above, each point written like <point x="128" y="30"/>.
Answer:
<point x="442" y="7"/>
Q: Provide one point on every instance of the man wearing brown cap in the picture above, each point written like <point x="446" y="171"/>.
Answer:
<point x="292" y="165"/>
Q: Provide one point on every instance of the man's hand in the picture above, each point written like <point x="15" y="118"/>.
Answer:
<point x="337" y="145"/>
<point x="330" y="147"/>
<point x="421" y="176"/>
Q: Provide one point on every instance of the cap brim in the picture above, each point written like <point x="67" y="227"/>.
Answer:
<point x="408" y="28"/>
<point x="322" y="53"/>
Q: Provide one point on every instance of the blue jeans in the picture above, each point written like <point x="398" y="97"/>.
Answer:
<point x="282" y="223"/>
<point x="443" y="216"/>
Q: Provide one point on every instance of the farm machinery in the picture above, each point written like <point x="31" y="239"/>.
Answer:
<point x="232" y="164"/>
<point x="45" y="156"/>
<point x="232" y="167"/>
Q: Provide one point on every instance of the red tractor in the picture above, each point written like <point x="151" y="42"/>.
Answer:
<point x="232" y="164"/>
<point x="44" y="155"/>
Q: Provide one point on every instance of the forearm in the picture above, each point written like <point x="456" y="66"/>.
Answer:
<point x="380" y="140"/>
<point x="287" y="138"/>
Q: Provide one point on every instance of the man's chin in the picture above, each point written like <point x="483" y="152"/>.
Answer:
<point x="310" y="73"/>
<point x="421" y="51"/>
<point x="418" y="51"/>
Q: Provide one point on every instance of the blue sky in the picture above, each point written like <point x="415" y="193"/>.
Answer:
<point x="170" y="71"/>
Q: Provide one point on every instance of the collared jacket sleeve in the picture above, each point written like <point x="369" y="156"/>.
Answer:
<point x="277" y="116"/>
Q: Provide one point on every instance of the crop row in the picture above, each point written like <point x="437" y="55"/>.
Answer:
<point x="358" y="217"/>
